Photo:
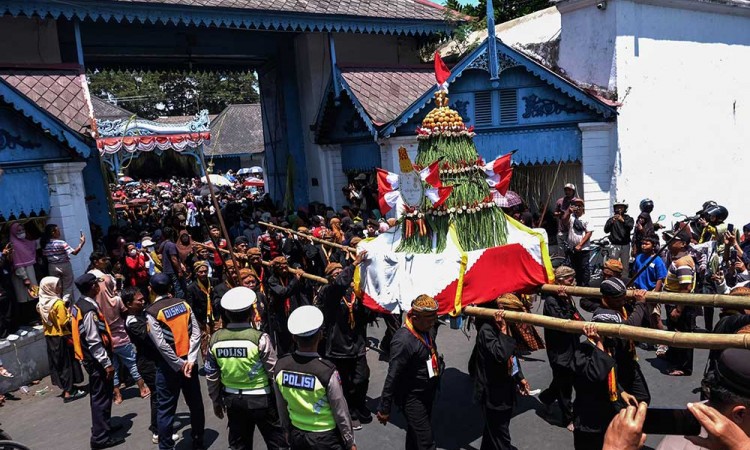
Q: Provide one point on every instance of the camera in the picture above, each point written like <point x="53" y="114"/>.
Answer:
<point x="601" y="6"/>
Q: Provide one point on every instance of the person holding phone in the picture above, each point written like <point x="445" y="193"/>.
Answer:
<point x="724" y="419"/>
<point x="58" y="254"/>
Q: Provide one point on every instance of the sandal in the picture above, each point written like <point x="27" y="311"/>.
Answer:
<point x="676" y="373"/>
<point x="4" y="373"/>
<point x="661" y="350"/>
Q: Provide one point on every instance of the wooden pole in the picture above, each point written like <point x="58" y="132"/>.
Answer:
<point x="218" y="214"/>
<point x="672" y="298"/>
<point x="312" y="238"/>
<point x="316" y="278"/>
<point x="670" y="338"/>
<point x="549" y="195"/>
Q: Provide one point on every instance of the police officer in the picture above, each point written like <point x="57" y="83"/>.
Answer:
<point x="92" y="342"/>
<point x="311" y="401"/>
<point x="176" y="334"/>
<point x="239" y="368"/>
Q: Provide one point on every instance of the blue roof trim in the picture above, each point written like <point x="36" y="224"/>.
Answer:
<point x="358" y="106"/>
<point x="45" y="120"/>
<point x="207" y="16"/>
<point x="508" y="58"/>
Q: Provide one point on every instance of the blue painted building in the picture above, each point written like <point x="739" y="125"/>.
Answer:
<point x="49" y="168"/>
<point x="528" y="108"/>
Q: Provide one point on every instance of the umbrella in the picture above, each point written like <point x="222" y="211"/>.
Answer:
<point x="508" y="200"/>
<point x="257" y="182"/>
<point x="230" y="178"/>
<point x="138" y="201"/>
<point x="164" y="184"/>
<point x="125" y="179"/>
<point x="134" y="183"/>
<point x="244" y="171"/>
<point x="217" y="180"/>
<point x="256" y="169"/>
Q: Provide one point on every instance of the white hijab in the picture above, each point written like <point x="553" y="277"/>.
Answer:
<point x="50" y="291"/>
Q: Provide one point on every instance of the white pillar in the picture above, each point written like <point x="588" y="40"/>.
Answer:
<point x="598" y="166"/>
<point x="68" y="210"/>
<point x="389" y="151"/>
<point x="333" y="178"/>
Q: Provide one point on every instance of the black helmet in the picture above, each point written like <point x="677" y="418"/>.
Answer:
<point x="719" y="211"/>
<point x="647" y="205"/>
<point x="708" y="204"/>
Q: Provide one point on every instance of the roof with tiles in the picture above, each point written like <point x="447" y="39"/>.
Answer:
<point x="104" y="110"/>
<point x="392" y="9"/>
<point x="62" y="94"/>
<point x="385" y="93"/>
<point x="236" y="130"/>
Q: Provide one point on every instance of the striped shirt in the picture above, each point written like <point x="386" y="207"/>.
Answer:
<point x="681" y="272"/>
<point x="57" y="251"/>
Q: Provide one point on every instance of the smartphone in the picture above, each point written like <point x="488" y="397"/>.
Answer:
<point x="730" y="228"/>
<point x="671" y="421"/>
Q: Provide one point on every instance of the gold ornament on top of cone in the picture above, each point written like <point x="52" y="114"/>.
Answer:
<point x="443" y="118"/>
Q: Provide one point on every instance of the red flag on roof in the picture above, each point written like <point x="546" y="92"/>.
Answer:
<point x="441" y="70"/>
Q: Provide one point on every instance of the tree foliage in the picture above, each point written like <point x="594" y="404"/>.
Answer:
<point x="153" y="94"/>
<point x="505" y="10"/>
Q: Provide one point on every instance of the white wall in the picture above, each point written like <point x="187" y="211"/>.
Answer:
<point x="587" y="42"/>
<point x="679" y="68"/>
<point x="682" y="76"/>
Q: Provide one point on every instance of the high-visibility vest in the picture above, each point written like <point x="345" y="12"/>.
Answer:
<point x="237" y="354"/>
<point x="173" y="314"/>
<point x="80" y="344"/>
<point x="303" y="382"/>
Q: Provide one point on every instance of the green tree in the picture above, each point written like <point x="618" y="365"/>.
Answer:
<point x="505" y="10"/>
<point x="153" y="94"/>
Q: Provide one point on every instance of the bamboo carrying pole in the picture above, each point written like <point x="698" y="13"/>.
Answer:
<point x="670" y="338"/>
<point x="672" y="298"/>
<point x="312" y="238"/>
<point x="311" y="277"/>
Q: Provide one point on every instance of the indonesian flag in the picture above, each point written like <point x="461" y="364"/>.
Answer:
<point x="499" y="173"/>
<point x="388" y="280"/>
<point x="438" y="195"/>
<point x="441" y="72"/>
<point x="431" y="175"/>
<point x="387" y="190"/>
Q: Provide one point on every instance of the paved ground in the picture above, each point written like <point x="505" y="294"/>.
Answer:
<point x="44" y="422"/>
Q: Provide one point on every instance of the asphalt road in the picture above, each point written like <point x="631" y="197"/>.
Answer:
<point x="44" y="422"/>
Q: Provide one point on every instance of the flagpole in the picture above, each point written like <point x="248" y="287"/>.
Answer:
<point x="492" y="42"/>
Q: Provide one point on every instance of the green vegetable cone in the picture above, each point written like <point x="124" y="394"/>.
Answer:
<point x="478" y="221"/>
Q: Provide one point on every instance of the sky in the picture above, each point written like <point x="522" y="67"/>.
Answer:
<point x="469" y="2"/>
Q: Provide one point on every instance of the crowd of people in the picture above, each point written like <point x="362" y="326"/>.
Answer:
<point x="172" y="293"/>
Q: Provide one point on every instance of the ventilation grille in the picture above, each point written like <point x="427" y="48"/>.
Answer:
<point x="508" y="106"/>
<point x="483" y="109"/>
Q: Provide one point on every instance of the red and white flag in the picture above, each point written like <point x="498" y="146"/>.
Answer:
<point x="499" y="172"/>
<point x="387" y="190"/>
<point x="438" y="195"/>
<point x="442" y="73"/>
<point x="431" y="175"/>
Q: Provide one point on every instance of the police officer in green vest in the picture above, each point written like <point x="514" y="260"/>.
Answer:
<point x="239" y="373"/>
<point x="311" y="402"/>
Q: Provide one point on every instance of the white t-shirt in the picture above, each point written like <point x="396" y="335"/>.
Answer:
<point x="576" y="233"/>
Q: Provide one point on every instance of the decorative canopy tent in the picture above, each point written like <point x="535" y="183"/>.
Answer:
<point x="122" y="140"/>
